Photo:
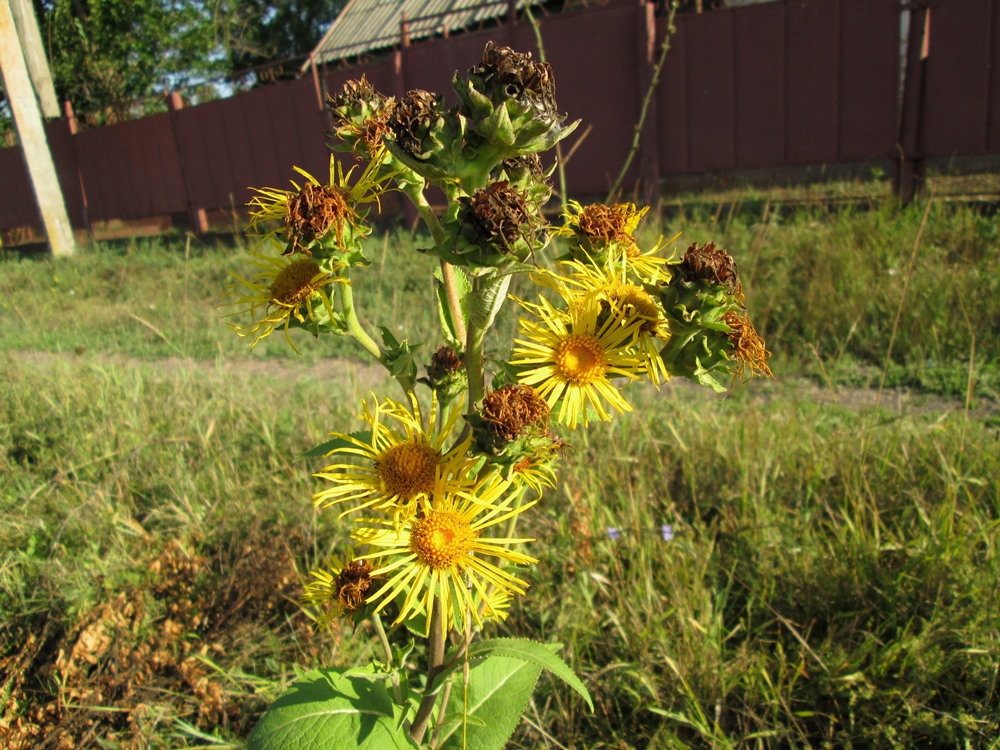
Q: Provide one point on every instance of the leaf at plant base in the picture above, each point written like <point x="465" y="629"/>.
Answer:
<point x="499" y="688"/>
<point x="541" y="654"/>
<point x="329" y="709"/>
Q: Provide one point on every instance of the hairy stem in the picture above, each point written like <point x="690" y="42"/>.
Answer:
<point x="435" y="663"/>
<point x="357" y="332"/>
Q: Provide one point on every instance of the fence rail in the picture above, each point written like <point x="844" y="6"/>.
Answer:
<point x="788" y="84"/>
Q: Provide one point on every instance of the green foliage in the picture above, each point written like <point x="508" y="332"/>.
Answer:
<point x="108" y="57"/>
<point x="327" y="705"/>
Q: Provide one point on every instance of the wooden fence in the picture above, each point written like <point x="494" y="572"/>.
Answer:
<point x="774" y="86"/>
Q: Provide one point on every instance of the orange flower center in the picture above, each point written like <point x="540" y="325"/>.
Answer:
<point x="408" y="469"/>
<point x="294" y="283"/>
<point x="580" y="359"/>
<point x="441" y="539"/>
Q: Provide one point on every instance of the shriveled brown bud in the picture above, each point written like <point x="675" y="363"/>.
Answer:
<point x="500" y="213"/>
<point x="353" y="583"/>
<point x="606" y="224"/>
<point x="413" y="118"/>
<point x="313" y="212"/>
<point x="708" y="263"/>
<point x="506" y="74"/>
<point x="444" y="362"/>
<point x="513" y="411"/>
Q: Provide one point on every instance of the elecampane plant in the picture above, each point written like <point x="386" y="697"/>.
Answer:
<point x="430" y="484"/>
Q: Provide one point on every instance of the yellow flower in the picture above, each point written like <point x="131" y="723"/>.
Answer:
<point x="401" y="462"/>
<point x="440" y="554"/>
<point x="629" y="304"/>
<point x="570" y="357"/>
<point x="285" y="287"/>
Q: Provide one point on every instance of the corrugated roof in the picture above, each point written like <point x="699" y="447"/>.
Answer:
<point x="370" y="25"/>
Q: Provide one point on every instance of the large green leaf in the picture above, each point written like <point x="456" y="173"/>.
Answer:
<point x="498" y="690"/>
<point x="328" y="709"/>
<point x="537" y="653"/>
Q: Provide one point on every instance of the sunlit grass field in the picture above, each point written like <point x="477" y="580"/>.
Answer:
<point x="810" y="562"/>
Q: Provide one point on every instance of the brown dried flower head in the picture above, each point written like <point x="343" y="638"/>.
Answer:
<point x="444" y="362"/>
<point x="501" y="213"/>
<point x="313" y="212"/>
<point x="353" y="583"/>
<point x="748" y="346"/>
<point x="413" y="117"/>
<point x="513" y="411"/>
<point x="506" y="74"/>
<point x="601" y="223"/>
<point x="708" y="263"/>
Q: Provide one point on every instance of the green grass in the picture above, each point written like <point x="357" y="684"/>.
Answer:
<point x="831" y="581"/>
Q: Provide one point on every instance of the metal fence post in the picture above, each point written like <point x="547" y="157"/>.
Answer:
<point x="196" y="214"/>
<point x="909" y="169"/>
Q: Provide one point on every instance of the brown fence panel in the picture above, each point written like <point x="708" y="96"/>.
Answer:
<point x="759" y="42"/>
<point x="957" y="73"/>
<point x="250" y="140"/>
<point x="593" y="56"/>
<point x="869" y="80"/>
<point x="671" y="103"/>
<point x="812" y="32"/>
<point x="62" y="145"/>
<point x="709" y="62"/>
<point x="18" y="207"/>
<point x="130" y="170"/>
<point x="993" y="130"/>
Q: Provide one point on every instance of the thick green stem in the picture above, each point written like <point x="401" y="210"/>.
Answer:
<point x="346" y="298"/>
<point x="435" y="663"/>
<point x="387" y="648"/>
<point x="474" y="364"/>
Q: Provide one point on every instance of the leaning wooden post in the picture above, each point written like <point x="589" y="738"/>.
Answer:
<point x="31" y="134"/>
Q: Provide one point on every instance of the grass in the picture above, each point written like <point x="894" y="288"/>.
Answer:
<point x="830" y="580"/>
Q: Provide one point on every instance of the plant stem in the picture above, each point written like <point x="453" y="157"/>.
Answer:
<point x="384" y="640"/>
<point x="419" y="200"/>
<point x="354" y="327"/>
<point x="435" y="663"/>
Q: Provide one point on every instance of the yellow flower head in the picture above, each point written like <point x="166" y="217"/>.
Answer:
<point x="619" y="299"/>
<point x="284" y="288"/>
<point x="441" y="554"/>
<point x="400" y="461"/>
<point x="569" y="357"/>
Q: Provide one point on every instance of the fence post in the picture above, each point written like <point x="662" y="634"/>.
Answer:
<point x="196" y="215"/>
<point x="72" y="126"/>
<point x="909" y="170"/>
<point x="649" y="135"/>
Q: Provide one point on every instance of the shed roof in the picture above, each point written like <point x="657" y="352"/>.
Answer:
<point x="371" y="25"/>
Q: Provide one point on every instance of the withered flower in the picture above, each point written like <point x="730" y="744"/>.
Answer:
<point x="513" y="411"/>
<point x="748" y="347"/>
<point x="508" y="75"/>
<point x="353" y="583"/>
<point x="313" y="212"/>
<point x="708" y="263"/>
<point x="413" y="119"/>
<point x="362" y="115"/>
<point x="501" y="215"/>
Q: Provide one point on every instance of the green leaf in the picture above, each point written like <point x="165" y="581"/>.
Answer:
<point x="330" y="709"/>
<point x="498" y="690"/>
<point x="486" y="301"/>
<point x="536" y="653"/>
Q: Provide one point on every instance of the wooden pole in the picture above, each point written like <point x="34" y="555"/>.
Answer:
<point x="31" y="134"/>
<point x="34" y="56"/>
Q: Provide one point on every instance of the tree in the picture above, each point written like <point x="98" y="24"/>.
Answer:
<point x="110" y="57"/>
<point x="260" y="32"/>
